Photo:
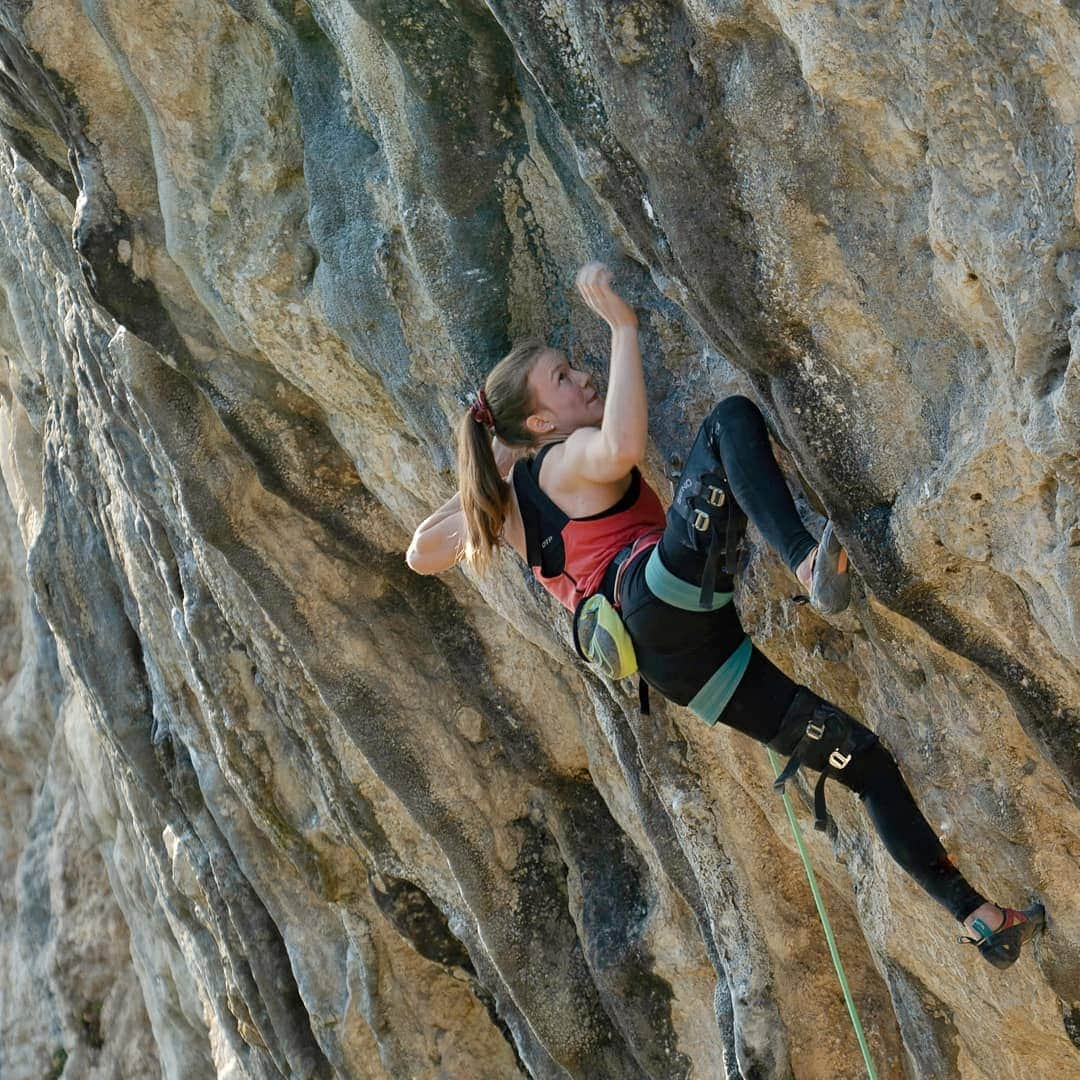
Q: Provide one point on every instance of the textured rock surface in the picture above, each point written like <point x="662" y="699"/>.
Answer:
<point x="272" y="805"/>
<point x="68" y="992"/>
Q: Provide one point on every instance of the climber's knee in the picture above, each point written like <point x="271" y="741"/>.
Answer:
<point x="793" y="723"/>
<point x="828" y="736"/>
<point x="732" y="411"/>
<point x="872" y="767"/>
<point x="826" y="739"/>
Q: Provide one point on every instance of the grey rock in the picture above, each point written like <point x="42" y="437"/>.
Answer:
<point x="274" y="805"/>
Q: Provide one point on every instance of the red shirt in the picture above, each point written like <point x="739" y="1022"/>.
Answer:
<point x="569" y="556"/>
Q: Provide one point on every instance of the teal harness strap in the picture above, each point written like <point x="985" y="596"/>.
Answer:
<point x="664" y="585"/>
<point x="871" y="1072"/>
<point x="711" y="700"/>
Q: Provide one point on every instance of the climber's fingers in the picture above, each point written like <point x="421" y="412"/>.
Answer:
<point x="594" y="284"/>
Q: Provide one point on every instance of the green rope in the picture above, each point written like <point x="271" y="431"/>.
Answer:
<point x="870" y="1071"/>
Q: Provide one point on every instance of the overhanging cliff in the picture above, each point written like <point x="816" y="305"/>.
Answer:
<point x="274" y="805"/>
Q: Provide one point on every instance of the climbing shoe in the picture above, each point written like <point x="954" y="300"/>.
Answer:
<point x="1001" y="947"/>
<point x="830" y="585"/>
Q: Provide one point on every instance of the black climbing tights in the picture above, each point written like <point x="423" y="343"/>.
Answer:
<point x="760" y="703"/>
<point x="735" y="433"/>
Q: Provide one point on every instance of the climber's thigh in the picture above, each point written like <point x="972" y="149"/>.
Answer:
<point x="761" y="699"/>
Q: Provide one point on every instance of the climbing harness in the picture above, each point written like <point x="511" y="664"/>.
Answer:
<point x="871" y="1072"/>
<point x="712" y="697"/>
<point x="712" y="512"/>
<point x="828" y="730"/>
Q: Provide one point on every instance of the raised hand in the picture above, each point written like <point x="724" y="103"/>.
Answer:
<point x="594" y="284"/>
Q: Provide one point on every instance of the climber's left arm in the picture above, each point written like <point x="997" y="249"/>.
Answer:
<point x="439" y="540"/>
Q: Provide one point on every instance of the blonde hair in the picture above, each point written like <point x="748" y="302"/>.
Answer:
<point x="485" y="495"/>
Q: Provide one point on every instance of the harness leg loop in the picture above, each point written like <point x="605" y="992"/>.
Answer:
<point x="829" y="737"/>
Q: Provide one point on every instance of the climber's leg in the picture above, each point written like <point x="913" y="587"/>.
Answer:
<point x="766" y="692"/>
<point x="734" y="439"/>
<point x="905" y="832"/>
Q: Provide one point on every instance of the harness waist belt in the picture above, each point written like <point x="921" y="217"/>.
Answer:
<point x="620" y="564"/>
<point x="676" y="592"/>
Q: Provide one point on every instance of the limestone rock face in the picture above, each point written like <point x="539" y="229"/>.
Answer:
<point x="272" y="804"/>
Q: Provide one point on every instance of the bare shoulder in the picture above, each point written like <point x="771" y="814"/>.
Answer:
<point x="562" y="463"/>
<point x="564" y="481"/>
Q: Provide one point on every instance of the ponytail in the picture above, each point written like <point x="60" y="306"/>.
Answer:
<point x="485" y="495"/>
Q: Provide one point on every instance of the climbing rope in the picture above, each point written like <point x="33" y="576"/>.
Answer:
<point x="871" y="1072"/>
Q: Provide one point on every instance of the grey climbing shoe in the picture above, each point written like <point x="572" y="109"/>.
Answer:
<point x="830" y="585"/>
<point x="1002" y="946"/>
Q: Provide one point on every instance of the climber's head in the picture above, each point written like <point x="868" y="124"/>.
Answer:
<point x="563" y="398"/>
<point x="508" y="396"/>
<point x="531" y="396"/>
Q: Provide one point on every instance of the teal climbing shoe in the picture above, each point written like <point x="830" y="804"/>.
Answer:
<point x="1001" y="947"/>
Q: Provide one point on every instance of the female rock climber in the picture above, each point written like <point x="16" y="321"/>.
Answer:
<point x="580" y="514"/>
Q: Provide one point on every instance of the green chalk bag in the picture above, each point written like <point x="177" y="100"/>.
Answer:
<point x="602" y="639"/>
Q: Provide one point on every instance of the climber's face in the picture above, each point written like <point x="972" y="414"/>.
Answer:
<point x="564" y="397"/>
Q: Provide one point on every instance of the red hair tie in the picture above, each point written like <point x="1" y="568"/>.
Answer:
<point x="480" y="411"/>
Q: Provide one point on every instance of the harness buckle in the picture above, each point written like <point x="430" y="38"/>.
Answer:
<point x="716" y="496"/>
<point x="838" y="760"/>
<point x="815" y="731"/>
<point x="701" y="521"/>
